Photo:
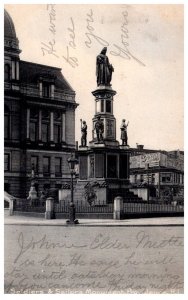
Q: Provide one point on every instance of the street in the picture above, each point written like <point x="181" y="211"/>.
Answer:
<point x="98" y="259"/>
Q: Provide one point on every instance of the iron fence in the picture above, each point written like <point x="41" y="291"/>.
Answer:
<point x="100" y="208"/>
<point x="151" y="208"/>
<point x="84" y="207"/>
<point x="26" y="207"/>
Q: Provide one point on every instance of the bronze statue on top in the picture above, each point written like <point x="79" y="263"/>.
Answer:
<point x="103" y="69"/>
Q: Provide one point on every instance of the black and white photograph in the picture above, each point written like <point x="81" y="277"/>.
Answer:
<point x="93" y="148"/>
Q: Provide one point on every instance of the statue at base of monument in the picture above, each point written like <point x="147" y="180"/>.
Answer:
<point x="99" y="128"/>
<point x="103" y="69"/>
<point x="123" y="128"/>
<point x="32" y="198"/>
<point x="84" y="133"/>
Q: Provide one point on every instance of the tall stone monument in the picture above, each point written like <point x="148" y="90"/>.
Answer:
<point x="104" y="101"/>
<point x="104" y="164"/>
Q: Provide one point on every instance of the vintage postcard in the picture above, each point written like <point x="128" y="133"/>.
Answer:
<point x="93" y="148"/>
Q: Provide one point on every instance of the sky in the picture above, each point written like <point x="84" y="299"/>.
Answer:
<point x="145" y="46"/>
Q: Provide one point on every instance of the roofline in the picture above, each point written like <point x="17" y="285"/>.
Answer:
<point x="156" y="150"/>
<point x="47" y="66"/>
<point x="50" y="67"/>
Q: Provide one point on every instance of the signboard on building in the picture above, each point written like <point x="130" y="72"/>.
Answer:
<point x="156" y="159"/>
<point x="141" y="161"/>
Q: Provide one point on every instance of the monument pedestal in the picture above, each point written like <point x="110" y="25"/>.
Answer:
<point x="108" y="167"/>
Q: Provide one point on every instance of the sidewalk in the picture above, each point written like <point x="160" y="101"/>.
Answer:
<point x="165" y="221"/>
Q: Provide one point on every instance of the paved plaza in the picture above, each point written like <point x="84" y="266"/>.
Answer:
<point x="97" y="256"/>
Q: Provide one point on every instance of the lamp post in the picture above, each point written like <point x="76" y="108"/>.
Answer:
<point x="72" y="162"/>
<point x="147" y="169"/>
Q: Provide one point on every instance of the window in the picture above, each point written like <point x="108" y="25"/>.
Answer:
<point x="58" y="166"/>
<point x="46" y="165"/>
<point x="33" y="131"/>
<point x="7" y="123"/>
<point x="45" y="132"/>
<point x="57" y="126"/>
<point x="46" y="89"/>
<point x="166" y="177"/>
<point x="141" y="178"/>
<point x="7" y="162"/>
<point x="57" y="133"/>
<point x="45" y="125"/>
<point x="34" y="163"/>
<point x="33" y="124"/>
<point x="7" y="73"/>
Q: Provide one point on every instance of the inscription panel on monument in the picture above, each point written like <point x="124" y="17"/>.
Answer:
<point x="99" y="165"/>
<point x="83" y="167"/>
<point x="91" y="166"/>
<point x="110" y="129"/>
<point x="124" y="166"/>
<point x="112" y="166"/>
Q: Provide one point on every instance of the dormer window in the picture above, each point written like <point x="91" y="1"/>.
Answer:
<point x="15" y="69"/>
<point x="46" y="89"/>
<point x="46" y="86"/>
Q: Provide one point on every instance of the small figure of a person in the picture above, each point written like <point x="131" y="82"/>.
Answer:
<point x="123" y="128"/>
<point x="84" y="134"/>
<point x="99" y="128"/>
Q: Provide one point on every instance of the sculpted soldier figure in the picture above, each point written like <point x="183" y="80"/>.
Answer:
<point x="99" y="128"/>
<point x="84" y="133"/>
<point x="103" y="69"/>
<point x="123" y="128"/>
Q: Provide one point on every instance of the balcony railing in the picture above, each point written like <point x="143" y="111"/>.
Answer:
<point x="31" y="90"/>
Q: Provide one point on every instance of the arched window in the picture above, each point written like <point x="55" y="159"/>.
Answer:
<point x="6" y="122"/>
<point x="7" y="72"/>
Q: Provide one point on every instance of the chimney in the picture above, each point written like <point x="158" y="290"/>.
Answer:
<point x="140" y="147"/>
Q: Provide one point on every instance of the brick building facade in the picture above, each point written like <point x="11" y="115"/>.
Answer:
<point x="157" y="173"/>
<point x="39" y="121"/>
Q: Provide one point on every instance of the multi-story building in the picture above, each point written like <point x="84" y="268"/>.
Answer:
<point x="156" y="174"/>
<point x="39" y="121"/>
